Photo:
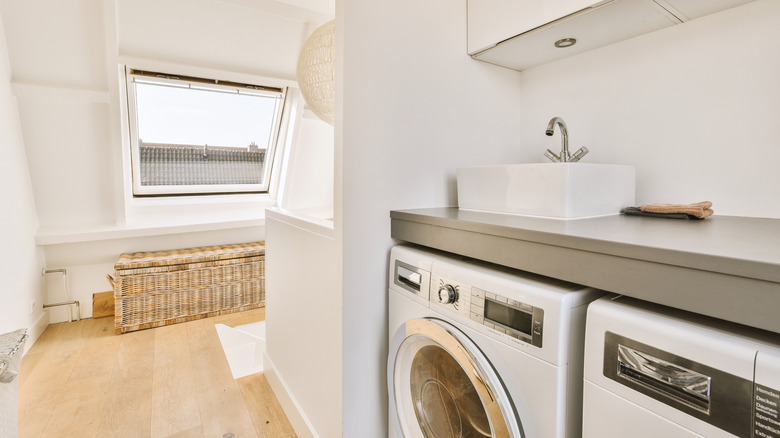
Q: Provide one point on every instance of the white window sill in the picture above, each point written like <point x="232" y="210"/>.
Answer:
<point x="146" y="217"/>
<point x="56" y="236"/>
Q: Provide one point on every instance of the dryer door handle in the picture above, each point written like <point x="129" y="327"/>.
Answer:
<point x="665" y="377"/>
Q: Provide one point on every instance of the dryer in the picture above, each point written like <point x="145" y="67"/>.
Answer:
<point x="652" y="371"/>
<point x="481" y="351"/>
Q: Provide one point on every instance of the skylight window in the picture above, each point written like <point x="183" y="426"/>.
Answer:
<point x="200" y="136"/>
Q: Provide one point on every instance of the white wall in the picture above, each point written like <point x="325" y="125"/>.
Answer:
<point x="303" y="286"/>
<point x="58" y="46"/>
<point x="414" y="107"/>
<point x="692" y="107"/>
<point x="309" y="186"/>
<point x="20" y="260"/>
<point x="303" y="323"/>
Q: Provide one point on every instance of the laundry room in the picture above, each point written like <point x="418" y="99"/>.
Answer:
<point x="690" y="107"/>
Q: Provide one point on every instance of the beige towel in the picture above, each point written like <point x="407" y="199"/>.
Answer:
<point x="699" y="209"/>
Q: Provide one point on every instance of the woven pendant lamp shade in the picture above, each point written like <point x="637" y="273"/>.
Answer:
<point x="316" y="70"/>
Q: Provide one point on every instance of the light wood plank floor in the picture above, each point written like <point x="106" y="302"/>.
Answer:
<point x="82" y="380"/>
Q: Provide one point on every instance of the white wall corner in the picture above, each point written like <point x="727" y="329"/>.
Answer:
<point x="298" y="420"/>
<point x="116" y="79"/>
<point x="35" y="331"/>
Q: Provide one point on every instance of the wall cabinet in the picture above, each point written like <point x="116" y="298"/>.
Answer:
<point x="492" y="21"/>
<point x="520" y="34"/>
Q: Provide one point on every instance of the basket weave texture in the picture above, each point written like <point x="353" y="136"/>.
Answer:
<point x="153" y="289"/>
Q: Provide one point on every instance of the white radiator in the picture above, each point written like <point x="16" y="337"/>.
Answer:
<point x="11" y="351"/>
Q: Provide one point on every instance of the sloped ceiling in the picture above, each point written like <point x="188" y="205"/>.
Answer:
<point x="317" y="11"/>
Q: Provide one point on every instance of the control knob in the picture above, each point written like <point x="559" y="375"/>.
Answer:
<point x="447" y="294"/>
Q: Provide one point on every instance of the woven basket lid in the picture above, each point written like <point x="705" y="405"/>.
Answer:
<point x="189" y="255"/>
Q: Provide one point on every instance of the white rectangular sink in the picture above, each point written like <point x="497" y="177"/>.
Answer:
<point x="552" y="190"/>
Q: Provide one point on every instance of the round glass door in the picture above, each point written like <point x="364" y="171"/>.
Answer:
<point x="443" y="387"/>
<point x="445" y="401"/>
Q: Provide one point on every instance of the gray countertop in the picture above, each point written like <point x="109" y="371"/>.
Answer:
<point x="724" y="266"/>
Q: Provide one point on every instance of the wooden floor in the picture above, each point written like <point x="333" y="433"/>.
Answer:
<point x="82" y="380"/>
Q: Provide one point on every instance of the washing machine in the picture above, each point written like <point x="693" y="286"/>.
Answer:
<point x="480" y="351"/>
<point x="652" y="371"/>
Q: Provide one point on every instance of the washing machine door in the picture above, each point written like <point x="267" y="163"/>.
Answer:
<point x="442" y="386"/>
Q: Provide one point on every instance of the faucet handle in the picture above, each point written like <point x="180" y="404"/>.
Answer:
<point x="581" y="152"/>
<point x="552" y="156"/>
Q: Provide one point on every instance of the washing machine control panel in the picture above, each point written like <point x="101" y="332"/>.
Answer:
<point x="447" y="294"/>
<point x="510" y="317"/>
<point x="450" y="294"/>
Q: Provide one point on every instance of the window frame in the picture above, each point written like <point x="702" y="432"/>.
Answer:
<point x="140" y="75"/>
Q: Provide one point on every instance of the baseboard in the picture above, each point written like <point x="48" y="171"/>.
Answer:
<point x="292" y="409"/>
<point x="35" y="332"/>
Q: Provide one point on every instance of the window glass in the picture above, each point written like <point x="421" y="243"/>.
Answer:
<point x="194" y="136"/>
<point x="445" y="401"/>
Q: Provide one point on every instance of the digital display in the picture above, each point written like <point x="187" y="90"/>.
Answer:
<point x="509" y="316"/>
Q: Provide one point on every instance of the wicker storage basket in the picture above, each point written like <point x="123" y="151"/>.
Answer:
<point x="153" y="289"/>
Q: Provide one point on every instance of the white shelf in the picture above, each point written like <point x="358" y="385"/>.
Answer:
<point x="319" y="221"/>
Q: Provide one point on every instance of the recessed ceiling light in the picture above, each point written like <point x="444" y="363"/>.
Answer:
<point x="566" y="42"/>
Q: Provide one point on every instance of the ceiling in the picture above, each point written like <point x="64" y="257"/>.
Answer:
<point x="317" y="11"/>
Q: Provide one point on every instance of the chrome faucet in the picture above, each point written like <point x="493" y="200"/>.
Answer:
<point x="564" y="156"/>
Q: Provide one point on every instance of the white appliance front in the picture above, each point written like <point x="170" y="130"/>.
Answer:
<point x="479" y="351"/>
<point x="444" y="386"/>
<point x="655" y="372"/>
